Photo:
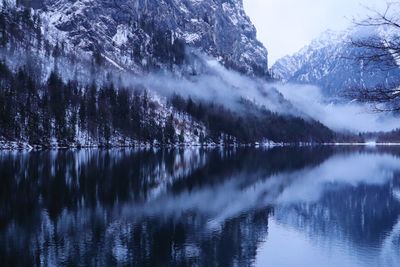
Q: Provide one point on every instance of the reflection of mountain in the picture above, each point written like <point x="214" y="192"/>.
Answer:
<point x="362" y="216"/>
<point x="367" y="208"/>
<point x="75" y="207"/>
<point x="185" y="208"/>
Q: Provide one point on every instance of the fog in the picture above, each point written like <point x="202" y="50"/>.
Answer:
<point x="350" y="116"/>
<point x="215" y="84"/>
<point x="212" y="82"/>
<point x="226" y="87"/>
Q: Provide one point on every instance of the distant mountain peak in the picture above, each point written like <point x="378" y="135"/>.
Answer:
<point x="333" y="63"/>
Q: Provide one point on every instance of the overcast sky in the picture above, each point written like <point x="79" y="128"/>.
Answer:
<point x="285" y="26"/>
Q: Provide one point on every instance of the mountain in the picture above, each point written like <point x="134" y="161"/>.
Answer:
<point x="123" y="73"/>
<point x="333" y="63"/>
<point x="139" y="35"/>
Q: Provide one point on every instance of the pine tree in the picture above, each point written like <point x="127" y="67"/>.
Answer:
<point x="182" y="137"/>
<point x="58" y="105"/>
<point x="170" y="130"/>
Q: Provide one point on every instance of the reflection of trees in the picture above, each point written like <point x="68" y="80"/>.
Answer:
<point x="361" y="216"/>
<point x="52" y="201"/>
<point x="224" y="165"/>
<point x="85" y="179"/>
<point x="69" y="207"/>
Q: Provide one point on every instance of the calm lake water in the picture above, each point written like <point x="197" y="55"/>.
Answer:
<point x="279" y="207"/>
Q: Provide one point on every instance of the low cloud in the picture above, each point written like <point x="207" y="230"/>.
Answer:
<point x="226" y="87"/>
<point x="355" y="117"/>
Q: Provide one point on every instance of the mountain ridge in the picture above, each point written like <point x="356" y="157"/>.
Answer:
<point x="141" y="34"/>
<point x="333" y="63"/>
<point x="64" y="84"/>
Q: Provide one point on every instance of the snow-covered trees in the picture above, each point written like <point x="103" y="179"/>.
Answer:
<point x="252" y="124"/>
<point x="37" y="112"/>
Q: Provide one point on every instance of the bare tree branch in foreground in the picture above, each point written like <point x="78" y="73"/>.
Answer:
<point x="383" y="51"/>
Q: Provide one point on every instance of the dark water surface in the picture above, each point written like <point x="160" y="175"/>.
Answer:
<point x="279" y="207"/>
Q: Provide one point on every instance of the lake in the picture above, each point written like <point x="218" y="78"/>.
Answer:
<point x="322" y="206"/>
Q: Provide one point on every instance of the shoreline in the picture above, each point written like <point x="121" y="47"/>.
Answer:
<point x="23" y="146"/>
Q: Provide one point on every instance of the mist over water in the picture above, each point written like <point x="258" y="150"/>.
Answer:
<point x="347" y="116"/>
<point x="322" y="206"/>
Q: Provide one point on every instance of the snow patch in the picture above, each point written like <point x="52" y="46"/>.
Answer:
<point x="121" y="37"/>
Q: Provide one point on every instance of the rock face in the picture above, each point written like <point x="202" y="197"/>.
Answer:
<point x="144" y="34"/>
<point x="77" y="46"/>
<point x="332" y="63"/>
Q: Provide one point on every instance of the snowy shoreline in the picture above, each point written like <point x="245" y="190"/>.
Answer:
<point x="25" y="146"/>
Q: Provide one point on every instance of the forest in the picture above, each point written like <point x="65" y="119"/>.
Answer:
<point x="255" y="124"/>
<point x="37" y="112"/>
<point x="55" y="110"/>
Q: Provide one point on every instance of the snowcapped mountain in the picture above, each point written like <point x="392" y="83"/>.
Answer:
<point x="102" y="73"/>
<point x="139" y="35"/>
<point x="333" y="63"/>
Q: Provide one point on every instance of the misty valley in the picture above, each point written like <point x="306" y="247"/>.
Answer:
<point x="322" y="206"/>
<point x="169" y="92"/>
<point x="215" y="133"/>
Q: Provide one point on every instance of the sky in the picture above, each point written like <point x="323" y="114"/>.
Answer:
<point x="285" y="26"/>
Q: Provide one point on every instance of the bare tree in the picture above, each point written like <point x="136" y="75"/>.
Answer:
<point x="383" y="51"/>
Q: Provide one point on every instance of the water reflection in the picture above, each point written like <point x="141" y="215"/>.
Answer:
<point x="199" y="207"/>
